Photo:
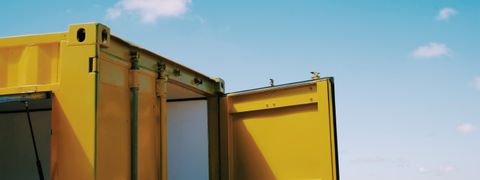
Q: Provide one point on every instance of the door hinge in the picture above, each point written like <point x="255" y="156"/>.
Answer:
<point x="134" y="70"/>
<point x="161" y="88"/>
<point x="162" y="78"/>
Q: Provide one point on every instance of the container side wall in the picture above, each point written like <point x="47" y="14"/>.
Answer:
<point x="28" y="68"/>
<point x="29" y="63"/>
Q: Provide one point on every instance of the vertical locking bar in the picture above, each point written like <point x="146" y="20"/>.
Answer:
<point x="161" y="90"/>
<point x="134" y="88"/>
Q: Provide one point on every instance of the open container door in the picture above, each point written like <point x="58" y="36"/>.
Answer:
<point x="280" y="132"/>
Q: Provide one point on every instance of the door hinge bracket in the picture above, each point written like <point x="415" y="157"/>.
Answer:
<point x="134" y="70"/>
<point x="162" y="78"/>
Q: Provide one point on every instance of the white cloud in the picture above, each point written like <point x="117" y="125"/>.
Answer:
<point x="431" y="50"/>
<point x="423" y="170"/>
<point x="149" y="10"/>
<point x="448" y="168"/>
<point x="466" y="128"/>
<point x="113" y="13"/>
<point x="445" y="14"/>
<point x="441" y="170"/>
<point x="476" y="83"/>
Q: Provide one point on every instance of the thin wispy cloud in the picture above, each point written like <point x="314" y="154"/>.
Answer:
<point x="431" y="50"/>
<point x="201" y="19"/>
<point x="113" y="13"/>
<point x="441" y="170"/>
<point x="466" y="128"/>
<point x="476" y="83"/>
<point x="380" y="160"/>
<point x="423" y="170"/>
<point x="446" y="13"/>
<point x="148" y="10"/>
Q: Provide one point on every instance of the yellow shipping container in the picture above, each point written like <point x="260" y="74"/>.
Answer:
<point x="103" y="108"/>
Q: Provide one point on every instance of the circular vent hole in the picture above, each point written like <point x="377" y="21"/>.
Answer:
<point x="104" y="36"/>
<point x="81" y="35"/>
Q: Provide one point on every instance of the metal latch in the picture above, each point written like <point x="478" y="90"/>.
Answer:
<point x="315" y="75"/>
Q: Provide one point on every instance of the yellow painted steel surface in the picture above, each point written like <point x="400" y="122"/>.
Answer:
<point x="275" y="133"/>
<point x="119" y="49"/>
<point x="73" y="116"/>
<point x="33" y="63"/>
<point x="162" y="103"/>
<point x="29" y="68"/>
<point x="113" y="121"/>
<point x="88" y="72"/>
<point x="282" y="133"/>
<point x="113" y="131"/>
<point x="149" y="128"/>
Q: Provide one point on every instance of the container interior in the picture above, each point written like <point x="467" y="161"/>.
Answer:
<point x="17" y="155"/>
<point x="187" y="134"/>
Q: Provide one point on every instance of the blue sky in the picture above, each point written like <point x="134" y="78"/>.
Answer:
<point x="407" y="72"/>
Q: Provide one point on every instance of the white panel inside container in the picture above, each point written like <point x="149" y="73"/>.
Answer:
<point x="187" y="140"/>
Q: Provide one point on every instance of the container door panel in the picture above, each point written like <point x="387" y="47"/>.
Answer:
<point x="284" y="132"/>
<point x="113" y="121"/>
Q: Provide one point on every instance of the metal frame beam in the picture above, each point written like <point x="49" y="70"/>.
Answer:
<point x="24" y="97"/>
